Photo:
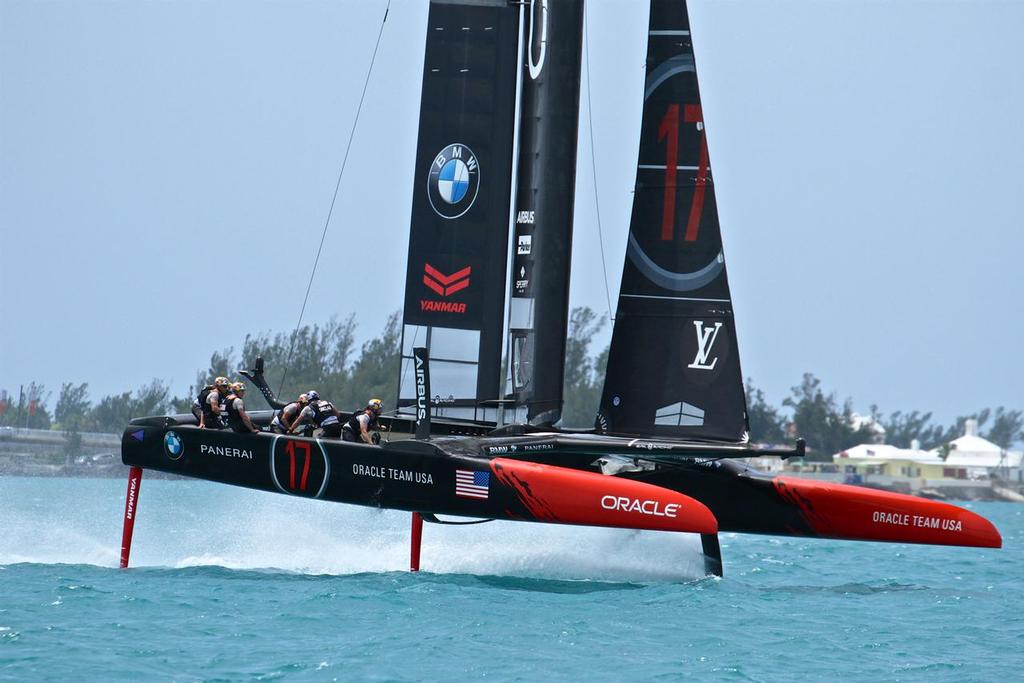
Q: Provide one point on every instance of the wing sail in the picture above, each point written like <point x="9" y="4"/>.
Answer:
<point x="455" y="282"/>
<point x="673" y="366"/>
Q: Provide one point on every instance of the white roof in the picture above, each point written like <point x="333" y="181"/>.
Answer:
<point x="882" y="452"/>
<point x="974" y="444"/>
<point x="958" y="458"/>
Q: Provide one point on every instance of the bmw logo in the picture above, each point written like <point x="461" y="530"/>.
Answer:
<point x="453" y="181"/>
<point x="173" y="445"/>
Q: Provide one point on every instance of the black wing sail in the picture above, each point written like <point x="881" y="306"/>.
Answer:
<point x="545" y="201"/>
<point x="673" y="366"/>
<point x="455" y="282"/>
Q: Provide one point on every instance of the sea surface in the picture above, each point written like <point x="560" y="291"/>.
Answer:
<point x="230" y="584"/>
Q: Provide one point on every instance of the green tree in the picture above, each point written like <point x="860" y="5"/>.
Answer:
<point x="767" y="424"/>
<point x="29" y="409"/>
<point x="113" y="413"/>
<point x="319" y="358"/>
<point x="818" y="418"/>
<point x="375" y="373"/>
<point x="1007" y="427"/>
<point x="957" y="429"/>
<point x="151" y="399"/>
<point x="902" y="428"/>
<point x="72" y="413"/>
<point x="222" y="364"/>
<point x="583" y="381"/>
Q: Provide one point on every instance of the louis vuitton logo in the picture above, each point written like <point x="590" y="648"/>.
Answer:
<point x="706" y="337"/>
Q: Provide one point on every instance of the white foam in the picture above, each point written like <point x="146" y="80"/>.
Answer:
<point x="185" y="524"/>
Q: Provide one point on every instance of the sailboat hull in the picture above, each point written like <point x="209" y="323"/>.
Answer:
<point x="544" y="479"/>
<point x="415" y="476"/>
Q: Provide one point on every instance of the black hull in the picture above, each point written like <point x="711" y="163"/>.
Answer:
<point x="555" y="478"/>
<point x="404" y="475"/>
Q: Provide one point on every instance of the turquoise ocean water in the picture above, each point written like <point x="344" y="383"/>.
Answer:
<point x="229" y="584"/>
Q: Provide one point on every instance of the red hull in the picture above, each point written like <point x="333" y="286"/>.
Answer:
<point x="566" y="496"/>
<point x="857" y="513"/>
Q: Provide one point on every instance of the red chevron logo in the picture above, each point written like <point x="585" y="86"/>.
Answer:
<point x="445" y="285"/>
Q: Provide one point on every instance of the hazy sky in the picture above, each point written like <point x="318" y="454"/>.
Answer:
<point x="869" y="163"/>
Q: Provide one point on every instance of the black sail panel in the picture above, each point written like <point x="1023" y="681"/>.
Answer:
<point x="673" y="366"/>
<point x="545" y="194"/>
<point x="455" y="281"/>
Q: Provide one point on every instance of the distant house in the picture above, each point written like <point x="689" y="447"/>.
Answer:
<point x="973" y="457"/>
<point x="968" y="458"/>
<point x="890" y="461"/>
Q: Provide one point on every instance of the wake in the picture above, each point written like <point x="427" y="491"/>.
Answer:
<point x="190" y="524"/>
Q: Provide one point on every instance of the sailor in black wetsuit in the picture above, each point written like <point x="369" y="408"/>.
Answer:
<point x="285" y="418"/>
<point x="321" y="413"/>
<point x="238" y="420"/>
<point x="209" y="406"/>
<point x="357" y="429"/>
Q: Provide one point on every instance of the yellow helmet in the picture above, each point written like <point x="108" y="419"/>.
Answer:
<point x="303" y="399"/>
<point x="375" y="404"/>
<point x="238" y="387"/>
<point x="222" y="382"/>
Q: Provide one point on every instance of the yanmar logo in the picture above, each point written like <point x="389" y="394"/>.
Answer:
<point x="133" y="486"/>
<point x="644" y="507"/>
<point x="445" y="285"/>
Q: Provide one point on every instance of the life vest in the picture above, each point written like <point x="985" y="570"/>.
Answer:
<point x="210" y="418"/>
<point x="323" y="413"/>
<point x="353" y="422"/>
<point x="290" y="411"/>
<point x="234" y="417"/>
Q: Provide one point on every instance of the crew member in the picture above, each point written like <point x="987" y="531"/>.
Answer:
<point x="321" y="413"/>
<point x="285" y="418"/>
<point x="358" y="427"/>
<point x="238" y="420"/>
<point x="209" y="405"/>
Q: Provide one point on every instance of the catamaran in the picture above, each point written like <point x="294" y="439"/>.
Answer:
<point x="486" y="314"/>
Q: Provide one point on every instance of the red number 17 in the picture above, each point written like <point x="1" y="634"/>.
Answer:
<point x="290" y="449"/>
<point x="669" y="128"/>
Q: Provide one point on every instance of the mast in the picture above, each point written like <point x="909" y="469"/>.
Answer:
<point x="544" y="204"/>
<point x="458" y="241"/>
<point x="673" y="365"/>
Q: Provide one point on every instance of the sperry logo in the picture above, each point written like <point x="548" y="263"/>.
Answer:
<point x="705" y="341"/>
<point x="445" y="285"/>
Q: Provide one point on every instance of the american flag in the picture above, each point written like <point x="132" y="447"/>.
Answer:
<point x="472" y="484"/>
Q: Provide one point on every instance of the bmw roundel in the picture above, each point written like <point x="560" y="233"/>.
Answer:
<point x="453" y="181"/>
<point x="173" y="445"/>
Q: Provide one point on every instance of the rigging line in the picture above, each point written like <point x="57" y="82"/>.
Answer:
<point x="593" y="167"/>
<point x="330" y="211"/>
